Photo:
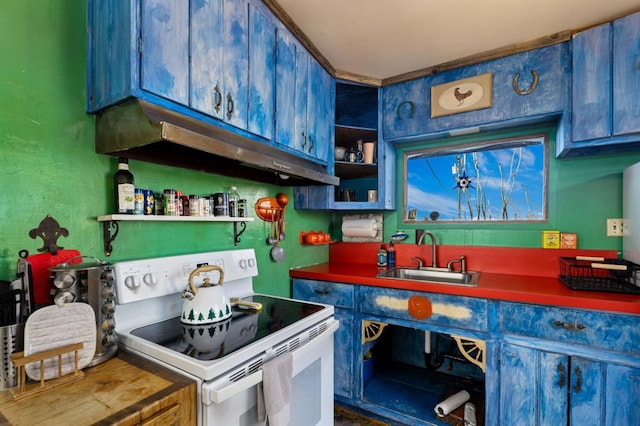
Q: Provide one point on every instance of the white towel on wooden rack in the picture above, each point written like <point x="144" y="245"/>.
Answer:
<point x="274" y="393"/>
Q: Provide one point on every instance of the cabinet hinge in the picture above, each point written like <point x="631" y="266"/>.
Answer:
<point x="139" y="47"/>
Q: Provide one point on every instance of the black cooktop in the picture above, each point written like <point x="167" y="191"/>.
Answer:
<point x="218" y="339"/>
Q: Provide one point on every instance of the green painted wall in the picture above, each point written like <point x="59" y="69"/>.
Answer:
<point x="582" y="194"/>
<point x="48" y="164"/>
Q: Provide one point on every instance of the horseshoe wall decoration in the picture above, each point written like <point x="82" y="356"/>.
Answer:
<point x="412" y="109"/>
<point x="533" y="86"/>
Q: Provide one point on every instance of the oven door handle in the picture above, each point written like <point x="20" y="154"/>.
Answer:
<point x="219" y="391"/>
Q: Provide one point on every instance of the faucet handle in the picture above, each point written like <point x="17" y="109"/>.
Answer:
<point x="420" y="262"/>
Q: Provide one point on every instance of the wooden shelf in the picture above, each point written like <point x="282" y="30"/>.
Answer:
<point x="348" y="135"/>
<point x="111" y="221"/>
<point x="347" y="170"/>
<point x="160" y="218"/>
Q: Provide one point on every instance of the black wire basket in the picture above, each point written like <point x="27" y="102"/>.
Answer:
<point x="599" y="274"/>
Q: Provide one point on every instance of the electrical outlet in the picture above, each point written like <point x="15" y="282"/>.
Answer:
<point x="614" y="227"/>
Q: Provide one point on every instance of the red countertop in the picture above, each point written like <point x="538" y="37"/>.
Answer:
<point x="512" y="274"/>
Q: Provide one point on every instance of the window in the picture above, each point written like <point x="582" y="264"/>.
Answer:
<point x="493" y="180"/>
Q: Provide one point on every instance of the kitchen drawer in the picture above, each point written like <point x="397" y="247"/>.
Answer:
<point x="339" y="295"/>
<point x="592" y="328"/>
<point x="438" y="309"/>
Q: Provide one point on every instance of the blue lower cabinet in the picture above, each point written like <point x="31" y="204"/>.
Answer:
<point x="545" y="388"/>
<point x="544" y="365"/>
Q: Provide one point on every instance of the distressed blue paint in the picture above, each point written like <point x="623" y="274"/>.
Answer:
<point x="591" y="78"/>
<point x="285" y="88"/>
<point x="622" y="396"/>
<point x="207" y="64"/>
<point x="477" y="308"/>
<point x="110" y="63"/>
<point x="341" y="296"/>
<point x="626" y="75"/>
<point x="605" y="88"/>
<point x="301" y="99"/>
<point x="610" y="331"/>
<point x="586" y="398"/>
<point x="165" y="49"/>
<point x="551" y="95"/>
<point x="236" y="61"/>
<point x="321" y="113"/>
<point x="262" y="42"/>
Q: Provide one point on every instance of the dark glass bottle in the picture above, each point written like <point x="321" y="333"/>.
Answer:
<point x="124" y="188"/>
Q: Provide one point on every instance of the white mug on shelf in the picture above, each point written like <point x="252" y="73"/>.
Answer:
<point x="372" y="196"/>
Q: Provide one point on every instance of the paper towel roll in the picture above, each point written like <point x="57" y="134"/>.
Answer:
<point x="359" y="228"/>
<point x="451" y="403"/>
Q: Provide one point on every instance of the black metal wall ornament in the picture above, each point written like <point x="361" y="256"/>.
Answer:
<point x="49" y="230"/>
<point x="534" y="84"/>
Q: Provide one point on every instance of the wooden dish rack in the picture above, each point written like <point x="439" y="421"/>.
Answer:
<point x="22" y="390"/>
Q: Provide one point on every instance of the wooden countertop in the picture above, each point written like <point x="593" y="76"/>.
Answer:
<point x="124" y="390"/>
<point x="542" y="290"/>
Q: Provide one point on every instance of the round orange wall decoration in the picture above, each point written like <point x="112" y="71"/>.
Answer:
<point x="420" y="307"/>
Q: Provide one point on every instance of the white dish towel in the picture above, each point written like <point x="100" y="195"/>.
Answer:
<point x="274" y="393"/>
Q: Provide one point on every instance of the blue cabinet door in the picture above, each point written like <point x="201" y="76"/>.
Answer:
<point x="591" y="78"/>
<point x="546" y="388"/>
<point x="626" y="75"/>
<point x="262" y="46"/>
<point x="301" y="100"/>
<point x="286" y="53"/>
<point x="164" y="66"/>
<point x="533" y="386"/>
<point x="236" y="63"/>
<point x="220" y="59"/>
<point x="320" y="114"/>
<point x="344" y="375"/>
<point x="622" y="396"/>
<point x="207" y="64"/>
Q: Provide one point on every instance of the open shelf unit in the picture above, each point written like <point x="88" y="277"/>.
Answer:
<point x="110" y="222"/>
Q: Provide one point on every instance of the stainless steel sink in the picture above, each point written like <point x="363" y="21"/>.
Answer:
<point x="432" y="275"/>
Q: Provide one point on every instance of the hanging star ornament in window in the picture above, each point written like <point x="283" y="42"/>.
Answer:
<point x="463" y="182"/>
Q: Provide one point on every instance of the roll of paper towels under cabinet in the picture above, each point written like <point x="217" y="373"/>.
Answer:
<point x="367" y="228"/>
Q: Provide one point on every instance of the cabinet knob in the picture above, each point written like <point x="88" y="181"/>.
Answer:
<point x="217" y="99"/>
<point x="578" y="387"/>
<point x="230" y="106"/>
<point x="562" y="380"/>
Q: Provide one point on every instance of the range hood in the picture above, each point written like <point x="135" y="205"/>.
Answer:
<point x="147" y="132"/>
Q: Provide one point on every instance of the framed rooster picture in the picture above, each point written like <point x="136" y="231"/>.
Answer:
<point x="468" y="94"/>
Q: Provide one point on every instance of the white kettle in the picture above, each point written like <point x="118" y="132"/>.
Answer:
<point x="207" y="303"/>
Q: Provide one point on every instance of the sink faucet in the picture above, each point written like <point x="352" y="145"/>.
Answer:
<point x="420" y="262"/>
<point x="420" y="233"/>
<point x="463" y="264"/>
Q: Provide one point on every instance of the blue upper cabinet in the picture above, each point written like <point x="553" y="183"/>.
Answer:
<point x="164" y="42"/>
<point x="526" y="86"/>
<point x="606" y="82"/>
<point x="262" y="70"/>
<point x="304" y="100"/>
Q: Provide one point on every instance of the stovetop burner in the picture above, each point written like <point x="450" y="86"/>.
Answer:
<point x="216" y="340"/>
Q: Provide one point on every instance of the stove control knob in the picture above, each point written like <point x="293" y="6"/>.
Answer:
<point x="108" y="307"/>
<point x="132" y="282"/>
<point x="150" y="279"/>
<point x="107" y="292"/>
<point x="108" y="324"/>
<point x="252" y="262"/>
<point x="243" y="264"/>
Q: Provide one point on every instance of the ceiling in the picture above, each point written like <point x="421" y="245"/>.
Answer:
<point x="382" y="39"/>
